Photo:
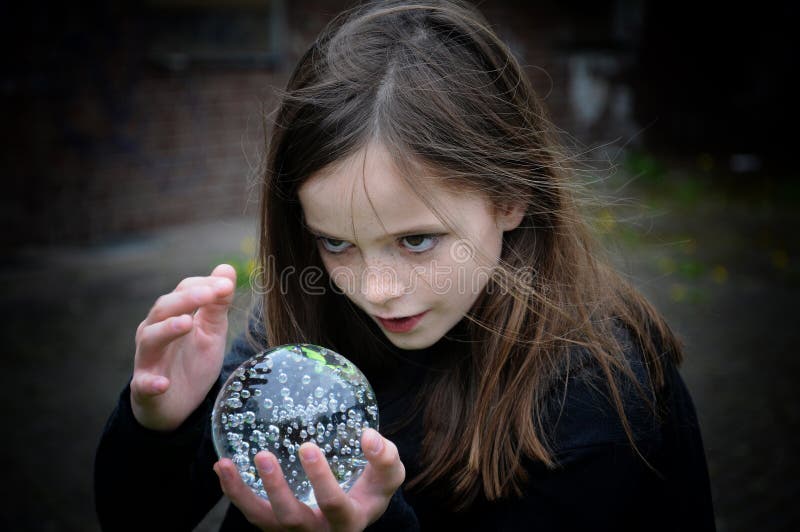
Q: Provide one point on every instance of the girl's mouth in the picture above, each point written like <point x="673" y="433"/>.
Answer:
<point x="401" y="325"/>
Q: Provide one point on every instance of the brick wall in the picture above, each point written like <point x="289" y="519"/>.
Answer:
<point x="185" y="153"/>
<point x="104" y="138"/>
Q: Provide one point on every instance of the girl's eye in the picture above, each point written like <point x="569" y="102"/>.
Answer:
<point x="419" y="243"/>
<point x="413" y="243"/>
<point x="332" y="245"/>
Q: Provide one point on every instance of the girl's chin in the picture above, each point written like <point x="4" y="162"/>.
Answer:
<point x="408" y="344"/>
<point x="416" y="339"/>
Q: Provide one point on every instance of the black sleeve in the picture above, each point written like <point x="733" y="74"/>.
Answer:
<point x="398" y="517"/>
<point x="152" y="480"/>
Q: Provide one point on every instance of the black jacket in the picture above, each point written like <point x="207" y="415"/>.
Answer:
<point x="148" y="480"/>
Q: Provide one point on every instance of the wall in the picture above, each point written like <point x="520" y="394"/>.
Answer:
<point x="124" y="118"/>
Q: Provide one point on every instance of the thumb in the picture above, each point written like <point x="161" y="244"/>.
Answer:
<point x="385" y="471"/>
<point x="213" y="317"/>
<point x="225" y="270"/>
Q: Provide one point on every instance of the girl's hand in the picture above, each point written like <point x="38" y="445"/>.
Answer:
<point x="337" y="510"/>
<point x="179" y="349"/>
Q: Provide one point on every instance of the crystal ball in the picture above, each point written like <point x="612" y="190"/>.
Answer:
<point x="288" y="395"/>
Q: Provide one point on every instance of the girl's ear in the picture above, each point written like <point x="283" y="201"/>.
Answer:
<point x="509" y="216"/>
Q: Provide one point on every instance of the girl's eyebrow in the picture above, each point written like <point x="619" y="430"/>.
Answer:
<point x="420" y="230"/>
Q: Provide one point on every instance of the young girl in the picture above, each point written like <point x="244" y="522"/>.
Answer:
<point x="417" y="217"/>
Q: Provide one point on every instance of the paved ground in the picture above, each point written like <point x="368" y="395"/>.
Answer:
<point x="68" y="317"/>
<point x="723" y="270"/>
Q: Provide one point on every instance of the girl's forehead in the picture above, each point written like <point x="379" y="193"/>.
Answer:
<point x="367" y="192"/>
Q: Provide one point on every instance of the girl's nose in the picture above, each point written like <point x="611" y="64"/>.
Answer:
<point x="380" y="284"/>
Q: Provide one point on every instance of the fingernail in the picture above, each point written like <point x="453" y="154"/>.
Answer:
<point x="309" y="455"/>
<point x="222" y="283"/>
<point x="377" y="444"/>
<point x="268" y="466"/>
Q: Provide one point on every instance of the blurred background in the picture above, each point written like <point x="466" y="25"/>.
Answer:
<point x="132" y="135"/>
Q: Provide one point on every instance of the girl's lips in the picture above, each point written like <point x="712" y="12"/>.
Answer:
<point x="400" y="325"/>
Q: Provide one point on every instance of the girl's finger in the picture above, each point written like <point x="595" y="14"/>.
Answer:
<point x="189" y="282"/>
<point x="333" y="502"/>
<point x="213" y="318"/>
<point x="144" y="385"/>
<point x="189" y="300"/>
<point x="289" y="512"/>
<point x="255" y="509"/>
<point x="385" y="472"/>
<point x="157" y="335"/>
<point x="222" y="270"/>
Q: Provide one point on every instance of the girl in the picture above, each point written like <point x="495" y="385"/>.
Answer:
<point x="416" y="216"/>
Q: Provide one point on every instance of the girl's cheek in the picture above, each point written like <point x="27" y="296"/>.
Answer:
<point x="344" y="276"/>
<point x="332" y="263"/>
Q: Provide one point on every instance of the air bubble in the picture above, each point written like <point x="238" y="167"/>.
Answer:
<point x="234" y="402"/>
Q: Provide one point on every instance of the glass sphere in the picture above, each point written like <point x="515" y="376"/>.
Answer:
<point x="288" y="395"/>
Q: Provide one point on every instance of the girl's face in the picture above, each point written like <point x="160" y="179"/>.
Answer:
<point x="389" y="253"/>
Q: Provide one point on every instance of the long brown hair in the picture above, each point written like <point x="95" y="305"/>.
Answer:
<point x="432" y="81"/>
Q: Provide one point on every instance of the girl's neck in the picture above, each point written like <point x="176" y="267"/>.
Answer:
<point x="436" y="357"/>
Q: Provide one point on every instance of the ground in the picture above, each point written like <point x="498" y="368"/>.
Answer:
<point x="721" y="263"/>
